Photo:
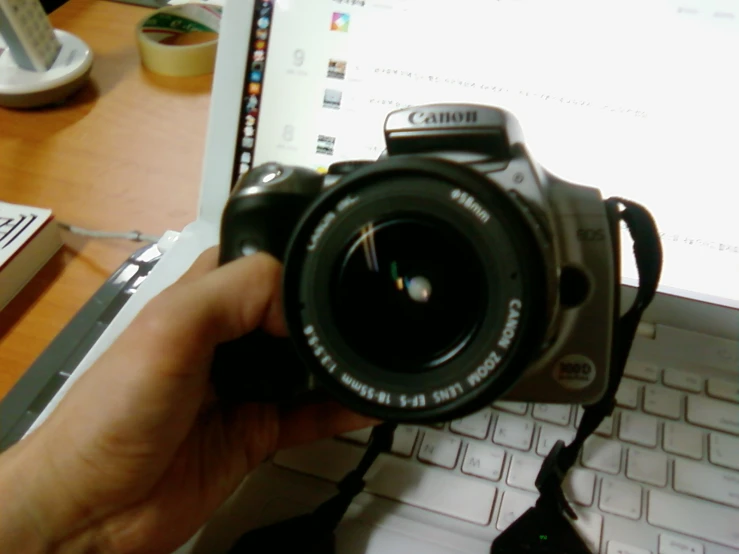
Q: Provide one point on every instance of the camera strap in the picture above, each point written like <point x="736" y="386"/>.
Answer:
<point x="546" y="527"/>
<point x="314" y="533"/>
<point x="543" y="528"/>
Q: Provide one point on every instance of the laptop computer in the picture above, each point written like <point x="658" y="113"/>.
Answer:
<point x="633" y="98"/>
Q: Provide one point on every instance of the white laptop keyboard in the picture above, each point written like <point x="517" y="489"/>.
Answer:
<point x="661" y="475"/>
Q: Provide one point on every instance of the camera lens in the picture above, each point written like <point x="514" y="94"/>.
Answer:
<point x="412" y="290"/>
<point x="408" y="293"/>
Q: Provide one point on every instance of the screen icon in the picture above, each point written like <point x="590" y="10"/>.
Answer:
<point x="340" y="22"/>
<point x="336" y="69"/>
<point x="332" y="99"/>
<point x="325" y="145"/>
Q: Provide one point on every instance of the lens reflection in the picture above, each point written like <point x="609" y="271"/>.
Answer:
<point x="408" y="293"/>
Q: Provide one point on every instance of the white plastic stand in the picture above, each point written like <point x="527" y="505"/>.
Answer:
<point x="21" y="88"/>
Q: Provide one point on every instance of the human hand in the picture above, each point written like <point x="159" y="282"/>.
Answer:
<point x="139" y="453"/>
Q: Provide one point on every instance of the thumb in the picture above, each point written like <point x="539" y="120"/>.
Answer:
<point x="161" y="363"/>
<point x="186" y="321"/>
<point x="149" y="386"/>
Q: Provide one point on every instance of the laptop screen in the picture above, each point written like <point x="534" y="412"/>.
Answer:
<point x="638" y="99"/>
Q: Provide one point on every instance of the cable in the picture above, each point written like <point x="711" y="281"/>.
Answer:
<point x="136" y="236"/>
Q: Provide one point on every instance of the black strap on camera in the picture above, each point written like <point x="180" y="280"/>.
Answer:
<point x="314" y="533"/>
<point x="546" y="527"/>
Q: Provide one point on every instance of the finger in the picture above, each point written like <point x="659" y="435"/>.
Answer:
<point x="160" y="365"/>
<point x="312" y="422"/>
<point x="205" y="263"/>
<point x="180" y="327"/>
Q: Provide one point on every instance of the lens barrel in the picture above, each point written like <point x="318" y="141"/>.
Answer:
<point x="413" y="291"/>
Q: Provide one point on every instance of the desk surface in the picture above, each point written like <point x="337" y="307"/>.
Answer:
<point x="125" y="153"/>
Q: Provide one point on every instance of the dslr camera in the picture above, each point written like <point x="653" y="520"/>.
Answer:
<point x="451" y="272"/>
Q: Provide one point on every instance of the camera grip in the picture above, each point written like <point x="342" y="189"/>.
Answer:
<point x="260" y="216"/>
<point x="259" y="224"/>
<point x="258" y="367"/>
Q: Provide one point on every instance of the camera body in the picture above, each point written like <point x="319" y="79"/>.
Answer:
<point x="451" y="272"/>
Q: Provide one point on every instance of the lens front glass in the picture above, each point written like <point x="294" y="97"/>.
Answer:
<point x="408" y="293"/>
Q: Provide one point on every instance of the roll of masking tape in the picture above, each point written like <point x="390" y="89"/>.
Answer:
<point x="180" y="41"/>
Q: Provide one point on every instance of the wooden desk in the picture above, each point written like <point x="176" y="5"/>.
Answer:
<point x="125" y="153"/>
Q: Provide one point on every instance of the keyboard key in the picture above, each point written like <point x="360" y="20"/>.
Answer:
<point x="360" y="436"/>
<point x="672" y="544"/>
<point x="579" y="486"/>
<point x="518" y="408"/>
<point x="725" y="390"/>
<point x="723" y="450"/>
<point x="483" y="461"/>
<point x="605" y="429"/>
<point x="513" y="506"/>
<point x="621" y="548"/>
<point x="404" y="440"/>
<point x="620" y="498"/>
<point x="699" y="480"/>
<point x="682" y="439"/>
<point x="638" y="428"/>
<point x="627" y="395"/>
<point x="474" y="425"/>
<point x="647" y="467"/>
<point x="514" y="432"/>
<point x="403" y="480"/>
<point x="590" y="526"/>
<point x="549" y="435"/>
<point x="682" y="380"/>
<point x="662" y="402"/>
<point x="714" y="414"/>
<point x="642" y="371"/>
<point x="602" y="454"/>
<point x="709" y="522"/>
<point x="439" y="449"/>
<point x="523" y="472"/>
<point x="559" y="414"/>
